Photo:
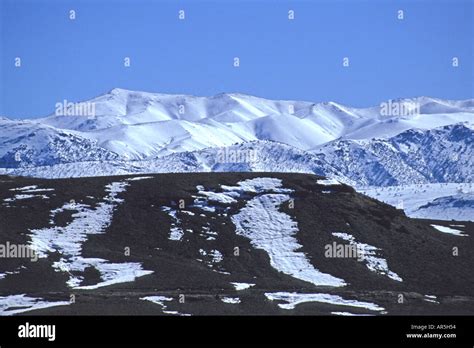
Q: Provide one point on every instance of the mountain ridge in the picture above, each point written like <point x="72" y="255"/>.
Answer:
<point x="141" y="132"/>
<point x="393" y="161"/>
<point x="138" y="125"/>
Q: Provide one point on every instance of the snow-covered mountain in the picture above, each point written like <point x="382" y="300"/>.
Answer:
<point x="148" y="132"/>
<point x="440" y="155"/>
<point x="255" y="156"/>
<point x="446" y="201"/>
<point x="414" y="156"/>
<point x="140" y="125"/>
<point x="27" y="143"/>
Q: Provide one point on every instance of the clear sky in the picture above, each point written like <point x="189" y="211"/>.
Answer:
<point x="279" y="58"/>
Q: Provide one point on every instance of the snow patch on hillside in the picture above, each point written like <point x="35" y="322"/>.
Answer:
<point x="68" y="240"/>
<point x="16" y="304"/>
<point x="176" y="232"/>
<point x="271" y="230"/>
<point x="369" y="253"/>
<point x="242" y="286"/>
<point x="293" y="299"/>
<point x="449" y="230"/>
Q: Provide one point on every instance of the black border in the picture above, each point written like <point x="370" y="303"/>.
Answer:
<point x="241" y="330"/>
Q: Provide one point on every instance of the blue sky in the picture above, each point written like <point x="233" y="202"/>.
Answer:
<point x="280" y="59"/>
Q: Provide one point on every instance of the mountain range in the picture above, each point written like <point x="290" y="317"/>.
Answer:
<point x="131" y="132"/>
